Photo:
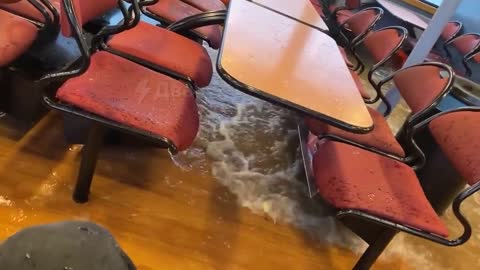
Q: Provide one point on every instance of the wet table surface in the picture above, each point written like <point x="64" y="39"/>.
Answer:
<point x="301" y="10"/>
<point x="405" y="14"/>
<point x="278" y="59"/>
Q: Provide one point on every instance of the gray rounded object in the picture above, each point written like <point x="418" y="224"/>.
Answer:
<point x="72" y="245"/>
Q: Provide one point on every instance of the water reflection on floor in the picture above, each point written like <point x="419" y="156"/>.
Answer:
<point x="196" y="212"/>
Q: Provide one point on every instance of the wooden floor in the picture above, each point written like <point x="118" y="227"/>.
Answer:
<point x="163" y="216"/>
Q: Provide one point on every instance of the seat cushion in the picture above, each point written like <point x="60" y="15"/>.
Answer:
<point x="351" y="178"/>
<point x="174" y="10"/>
<point x="166" y="49"/>
<point x="25" y="9"/>
<point x="206" y="5"/>
<point x="130" y="94"/>
<point x="458" y="135"/>
<point x="16" y="36"/>
<point x="381" y="137"/>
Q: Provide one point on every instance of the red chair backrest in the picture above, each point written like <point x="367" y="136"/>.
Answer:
<point x="466" y="43"/>
<point x="362" y="21"/>
<point x="353" y="4"/>
<point x="421" y="85"/>
<point x="23" y="8"/>
<point x="476" y="57"/>
<point x="85" y="10"/>
<point x="382" y="43"/>
<point x="451" y="29"/>
<point x="458" y="135"/>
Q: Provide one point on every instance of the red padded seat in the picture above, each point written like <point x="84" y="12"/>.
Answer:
<point x="166" y="49"/>
<point x="466" y="43"/>
<point x="133" y="95"/>
<point x="174" y="10"/>
<point x="359" y="22"/>
<point x="381" y="43"/>
<point x="381" y="137"/>
<point x="458" y="135"/>
<point x="16" y="36"/>
<point x="352" y="178"/>
<point x="450" y="30"/>
<point x="206" y="5"/>
<point x="25" y="9"/>
<point x="421" y="92"/>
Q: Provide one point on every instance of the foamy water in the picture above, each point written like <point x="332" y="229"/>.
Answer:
<point x="254" y="151"/>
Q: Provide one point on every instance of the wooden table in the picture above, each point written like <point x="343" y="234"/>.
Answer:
<point x="405" y="14"/>
<point x="301" y="10"/>
<point x="278" y="59"/>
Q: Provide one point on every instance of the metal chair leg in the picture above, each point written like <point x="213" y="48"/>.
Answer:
<point x="375" y="249"/>
<point x="88" y="163"/>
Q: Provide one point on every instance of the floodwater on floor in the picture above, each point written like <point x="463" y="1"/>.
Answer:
<point x="235" y="200"/>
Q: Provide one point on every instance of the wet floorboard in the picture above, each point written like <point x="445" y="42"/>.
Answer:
<point x="235" y="200"/>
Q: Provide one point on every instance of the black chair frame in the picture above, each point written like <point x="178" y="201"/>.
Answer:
<point x="98" y="124"/>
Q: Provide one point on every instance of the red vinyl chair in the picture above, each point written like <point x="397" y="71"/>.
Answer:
<point x="451" y="31"/>
<point x="467" y="45"/>
<point x="344" y="12"/>
<point x="422" y="96"/>
<point x="376" y="196"/>
<point x="206" y="5"/>
<point x="169" y="11"/>
<point x="115" y="93"/>
<point x="384" y="46"/>
<point x="18" y="34"/>
<point x="24" y="9"/>
<point x="360" y="24"/>
<point x="154" y="47"/>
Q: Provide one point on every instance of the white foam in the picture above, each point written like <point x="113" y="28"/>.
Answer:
<point x="4" y="201"/>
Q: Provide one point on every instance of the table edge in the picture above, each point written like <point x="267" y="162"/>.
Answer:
<point x="292" y="18"/>
<point x="252" y="91"/>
